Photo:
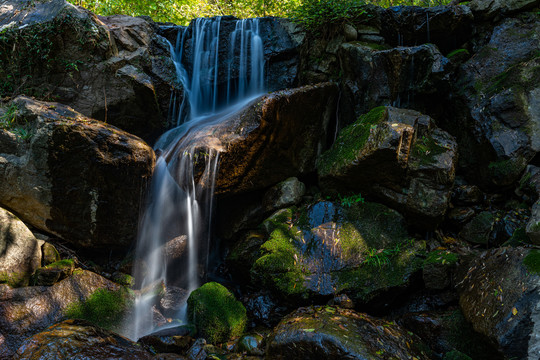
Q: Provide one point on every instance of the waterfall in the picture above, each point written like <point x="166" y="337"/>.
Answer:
<point x="178" y="215"/>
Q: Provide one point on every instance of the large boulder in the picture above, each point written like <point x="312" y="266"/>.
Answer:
<point x="272" y="138"/>
<point x="374" y="75"/>
<point x="326" y="248"/>
<point x="500" y="8"/>
<point x="499" y="292"/>
<point x="71" y="176"/>
<point x="25" y="311"/>
<point x="398" y="156"/>
<point x="499" y="130"/>
<point x="78" y="339"/>
<point x="114" y="69"/>
<point x="325" y="332"/>
<point x="20" y="251"/>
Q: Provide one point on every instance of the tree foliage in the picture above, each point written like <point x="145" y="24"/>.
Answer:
<point x="182" y="11"/>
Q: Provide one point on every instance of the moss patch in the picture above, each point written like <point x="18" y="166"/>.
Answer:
<point x="14" y="279"/>
<point x="458" y="52"/>
<point x="350" y="141"/>
<point x="532" y="262"/>
<point x="104" y="308"/>
<point x="215" y="312"/>
<point x="425" y="150"/>
<point x="506" y="171"/>
<point x="443" y="257"/>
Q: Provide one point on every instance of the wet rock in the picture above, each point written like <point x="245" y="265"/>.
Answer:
<point x="250" y="344"/>
<point x="114" y="69"/>
<point x="324" y="248"/>
<point x="499" y="292"/>
<point x="123" y="279"/>
<point x="168" y="356"/>
<point x="448" y="331"/>
<point x="173" y="300"/>
<point x="533" y="227"/>
<point x="478" y="231"/>
<point x="244" y="253"/>
<point x="460" y="216"/>
<point x="500" y="8"/>
<point x="325" y="332"/>
<point x="397" y="156"/>
<point x="196" y="352"/>
<point x="438" y="268"/>
<point x="176" y="248"/>
<point x="467" y="195"/>
<point x="263" y="308"/>
<point x="374" y="75"/>
<point x="499" y="86"/>
<point x="284" y="194"/>
<point x="217" y="315"/>
<point x="167" y="344"/>
<point x="445" y="26"/>
<point x="494" y="227"/>
<point x="73" y="339"/>
<point x="342" y="301"/>
<point x="25" y="311"/>
<point x="20" y="251"/>
<point x="65" y="175"/>
<point x="272" y="138"/>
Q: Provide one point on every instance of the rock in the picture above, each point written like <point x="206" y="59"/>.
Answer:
<point x="324" y="248"/>
<point x="244" y="253"/>
<point x="467" y="195"/>
<point x="374" y="75"/>
<point x="76" y="339"/>
<point x="196" y="352"/>
<point x="324" y="332"/>
<point x="448" y="331"/>
<point x="115" y="69"/>
<point x="250" y="344"/>
<point x="437" y="271"/>
<point x="20" y="251"/>
<point x="349" y="32"/>
<point x="478" y="230"/>
<point x="64" y="177"/>
<point x="495" y="227"/>
<point x="263" y="308"/>
<point x="342" y="301"/>
<point x="500" y="8"/>
<point x="216" y="313"/>
<point x="498" y="293"/>
<point x="167" y="344"/>
<point x="444" y="26"/>
<point x="49" y="254"/>
<point x="284" y="194"/>
<point x="533" y="227"/>
<point x="25" y="311"/>
<point x="274" y="137"/>
<point x="173" y="300"/>
<point x="498" y="85"/>
<point x="397" y="156"/>
<point x="52" y="273"/>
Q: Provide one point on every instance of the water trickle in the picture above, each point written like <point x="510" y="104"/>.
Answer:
<point x="180" y="202"/>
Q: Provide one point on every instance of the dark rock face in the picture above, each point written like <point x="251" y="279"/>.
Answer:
<point x="113" y="69"/>
<point x="324" y="332"/>
<point x="398" y="156"/>
<point x="78" y="339"/>
<point x="324" y="249"/>
<point x="499" y="8"/>
<point x="402" y="76"/>
<point x="77" y="178"/>
<point x="499" y="85"/>
<point x="499" y="294"/>
<point x="25" y="311"/>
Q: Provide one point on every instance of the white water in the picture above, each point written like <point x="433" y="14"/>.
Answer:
<point x="181" y="201"/>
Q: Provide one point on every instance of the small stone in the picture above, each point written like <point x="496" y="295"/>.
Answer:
<point x="350" y="32"/>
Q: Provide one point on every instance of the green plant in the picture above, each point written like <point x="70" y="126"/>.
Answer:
<point x="317" y="16"/>
<point x="380" y="257"/>
<point x="7" y="120"/>
<point x="349" y="201"/>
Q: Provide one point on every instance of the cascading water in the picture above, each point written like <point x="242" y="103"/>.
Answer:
<point x="178" y="215"/>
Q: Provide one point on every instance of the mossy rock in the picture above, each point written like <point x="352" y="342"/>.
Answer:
<point x="49" y="254"/>
<point x="323" y="248"/>
<point x="104" y="308"/>
<point x="215" y="312"/>
<point x="479" y="228"/>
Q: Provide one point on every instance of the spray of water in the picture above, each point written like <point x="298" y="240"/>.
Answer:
<point x="174" y="235"/>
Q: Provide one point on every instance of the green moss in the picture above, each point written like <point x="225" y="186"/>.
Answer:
<point x="216" y="313"/>
<point x="61" y="264"/>
<point x="350" y="141"/>
<point x="506" y="171"/>
<point x="104" y="308"/>
<point x="456" y="355"/>
<point x="14" y="279"/>
<point x="425" y="150"/>
<point x="441" y="257"/>
<point x="457" y="52"/>
<point x="532" y="262"/>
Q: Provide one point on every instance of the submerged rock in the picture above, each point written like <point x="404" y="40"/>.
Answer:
<point x="71" y="176"/>
<point x="114" y="69"/>
<point x="325" y="332"/>
<point x="397" y="156"/>
<point x="499" y="293"/>
<point x="324" y="248"/>
<point x="25" y="311"/>
<point x="20" y="251"/>
<point x="78" y="339"/>
<point x="217" y="315"/>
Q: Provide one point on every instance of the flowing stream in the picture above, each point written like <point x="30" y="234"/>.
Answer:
<point x="219" y="73"/>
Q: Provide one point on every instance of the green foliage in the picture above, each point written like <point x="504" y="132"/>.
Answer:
<point x="216" y="313"/>
<point x="7" y="120"/>
<point x="317" y="16"/>
<point x="381" y="257"/>
<point x="104" y="308"/>
<point x="425" y="149"/>
<point x="349" y="201"/>
<point x="443" y="257"/>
